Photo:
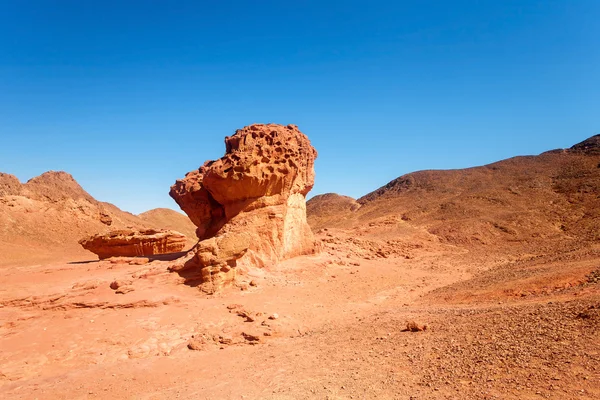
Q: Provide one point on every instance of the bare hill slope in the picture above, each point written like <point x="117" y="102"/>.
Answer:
<point x="170" y="219"/>
<point x="44" y="218"/>
<point x="529" y="200"/>
<point x="330" y="209"/>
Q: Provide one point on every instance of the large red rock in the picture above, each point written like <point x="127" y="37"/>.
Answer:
<point x="249" y="206"/>
<point x="131" y="243"/>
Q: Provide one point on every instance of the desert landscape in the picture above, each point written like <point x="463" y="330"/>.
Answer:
<point x="475" y="283"/>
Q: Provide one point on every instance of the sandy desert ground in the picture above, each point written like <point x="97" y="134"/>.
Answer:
<point x="496" y="328"/>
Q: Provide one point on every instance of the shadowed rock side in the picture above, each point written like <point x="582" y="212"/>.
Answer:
<point x="132" y="243"/>
<point x="249" y="206"/>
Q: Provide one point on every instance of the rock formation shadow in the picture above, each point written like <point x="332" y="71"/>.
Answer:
<point x="156" y="257"/>
<point x="83" y="262"/>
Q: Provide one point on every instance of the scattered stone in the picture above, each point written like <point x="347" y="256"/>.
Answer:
<point x="197" y="344"/>
<point x="274" y="316"/>
<point x="594" y="276"/>
<point x="251" y="337"/>
<point x="412" y="326"/>
<point x="253" y="283"/>
<point x="114" y="285"/>
<point x="225" y="340"/>
<point x="245" y="314"/>
<point x="105" y="218"/>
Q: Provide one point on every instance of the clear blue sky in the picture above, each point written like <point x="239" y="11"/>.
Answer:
<point x="128" y="96"/>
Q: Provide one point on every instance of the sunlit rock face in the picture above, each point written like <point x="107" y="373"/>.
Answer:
<point x="249" y="206"/>
<point x="134" y="242"/>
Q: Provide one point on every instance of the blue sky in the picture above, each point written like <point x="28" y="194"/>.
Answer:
<point x="128" y="96"/>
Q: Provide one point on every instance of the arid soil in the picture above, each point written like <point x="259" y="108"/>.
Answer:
<point x="497" y="265"/>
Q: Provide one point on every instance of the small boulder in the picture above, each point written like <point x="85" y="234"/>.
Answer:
<point x="246" y="315"/>
<point x="412" y="326"/>
<point x="252" y="338"/>
<point x="197" y="344"/>
<point x="114" y="285"/>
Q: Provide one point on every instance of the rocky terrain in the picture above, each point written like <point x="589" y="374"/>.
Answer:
<point x="44" y="218"/>
<point x="480" y="283"/>
<point x="532" y="201"/>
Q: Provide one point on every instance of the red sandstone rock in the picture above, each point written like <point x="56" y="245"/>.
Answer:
<point x="412" y="326"/>
<point x="249" y="206"/>
<point x="131" y="243"/>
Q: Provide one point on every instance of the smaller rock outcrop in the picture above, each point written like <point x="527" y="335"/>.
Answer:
<point x="132" y="243"/>
<point x="412" y="326"/>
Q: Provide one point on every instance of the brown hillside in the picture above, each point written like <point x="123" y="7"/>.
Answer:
<point x="44" y="218"/>
<point x="330" y="210"/>
<point x="170" y="219"/>
<point x="530" y="201"/>
<point x="525" y="225"/>
<point x="54" y="186"/>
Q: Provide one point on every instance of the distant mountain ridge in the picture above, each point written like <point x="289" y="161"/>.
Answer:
<point x="554" y="196"/>
<point x="45" y="217"/>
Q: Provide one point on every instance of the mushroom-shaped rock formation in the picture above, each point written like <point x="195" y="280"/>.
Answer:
<point x="249" y="206"/>
<point x="131" y="243"/>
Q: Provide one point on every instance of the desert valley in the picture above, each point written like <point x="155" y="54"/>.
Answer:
<point x="451" y="284"/>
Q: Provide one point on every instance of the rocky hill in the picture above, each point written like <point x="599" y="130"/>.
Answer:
<point x="530" y="200"/>
<point x="330" y="210"/>
<point x="44" y="218"/>
<point x="170" y="219"/>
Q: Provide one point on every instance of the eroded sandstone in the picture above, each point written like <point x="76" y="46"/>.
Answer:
<point x="132" y="243"/>
<point x="249" y="206"/>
